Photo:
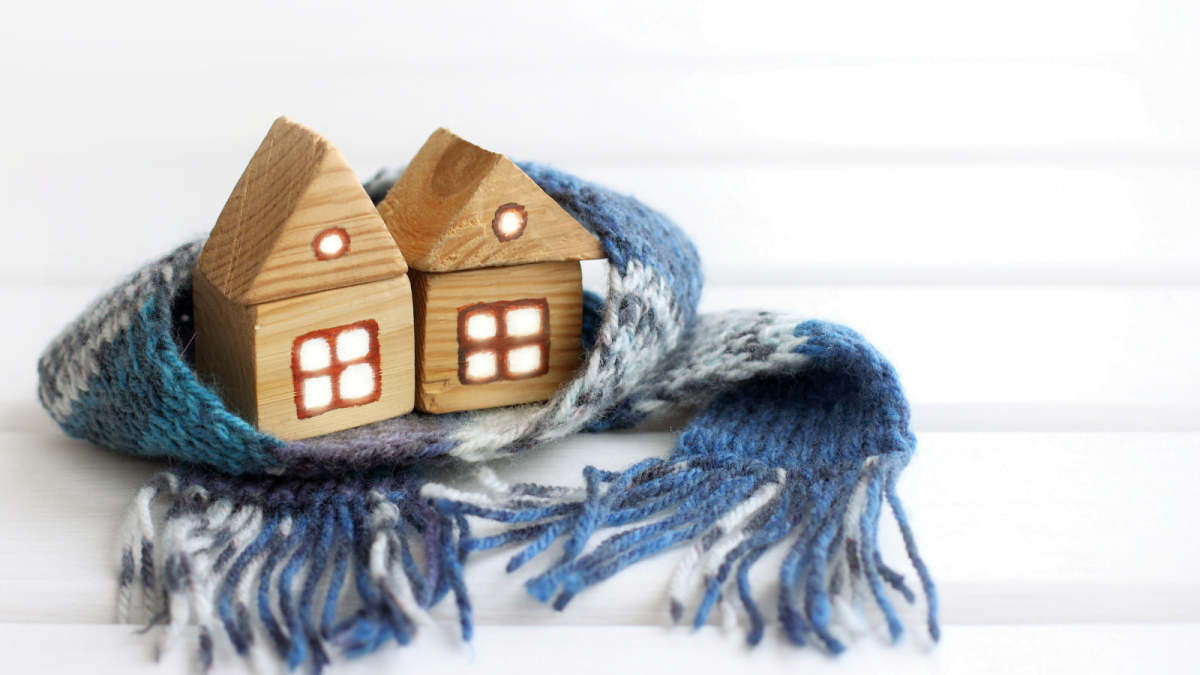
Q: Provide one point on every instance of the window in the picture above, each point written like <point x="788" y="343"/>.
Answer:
<point x="336" y="368"/>
<point x="331" y="243"/>
<point x="509" y="221"/>
<point x="503" y="341"/>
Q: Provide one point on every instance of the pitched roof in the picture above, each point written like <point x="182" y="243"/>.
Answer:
<point x="296" y="186"/>
<point x="442" y="212"/>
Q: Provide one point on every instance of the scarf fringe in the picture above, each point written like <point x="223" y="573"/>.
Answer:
<point x="270" y="565"/>
<point x="732" y="511"/>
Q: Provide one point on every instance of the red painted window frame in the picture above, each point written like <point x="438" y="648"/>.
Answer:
<point x="501" y="343"/>
<point x="335" y="368"/>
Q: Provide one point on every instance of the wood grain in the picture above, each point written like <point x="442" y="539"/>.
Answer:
<point x="1031" y="166"/>
<point x="1014" y="542"/>
<point x="440" y="212"/>
<point x="296" y="186"/>
<point x="225" y="346"/>
<point x="1059" y="358"/>
<point x="276" y="326"/>
<point x="437" y="299"/>
<point x="1115" y="649"/>
<point x="245" y="353"/>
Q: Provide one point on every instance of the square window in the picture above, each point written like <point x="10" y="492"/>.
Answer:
<point x="314" y="354"/>
<point x="336" y="368"/>
<point x="481" y="325"/>
<point x="525" y="360"/>
<point x="353" y="344"/>
<point x="481" y="366"/>
<point x="521" y="321"/>
<point x="357" y="381"/>
<point x="318" y="392"/>
<point x="507" y="340"/>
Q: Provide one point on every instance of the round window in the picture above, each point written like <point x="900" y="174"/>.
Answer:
<point x="509" y="222"/>
<point x="331" y="243"/>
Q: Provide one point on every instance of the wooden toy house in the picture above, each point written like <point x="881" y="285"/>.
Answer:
<point x="497" y="287"/>
<point x="303" y="306"/>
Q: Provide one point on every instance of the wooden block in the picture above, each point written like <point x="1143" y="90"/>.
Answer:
<point x="458" y="206"/>
<point x="278" y="325"/>
<point x="443" y="301"/>
<point x="296" y="191"/>
<point x="252" y="352"/>
<point x="225" y="346"/>
<point x="304" y="313"/>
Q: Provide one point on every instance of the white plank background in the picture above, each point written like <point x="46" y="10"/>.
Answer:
<point x="1000" y="194"/>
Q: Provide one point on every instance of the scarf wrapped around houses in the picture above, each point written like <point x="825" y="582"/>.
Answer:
<point x="800" y="432"/>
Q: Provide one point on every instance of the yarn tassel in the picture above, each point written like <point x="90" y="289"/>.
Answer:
<point x="733" y="511"/>
<point x="815" y="483"/>
<point x="267" y="561"/>
<point x="799" y="451"/>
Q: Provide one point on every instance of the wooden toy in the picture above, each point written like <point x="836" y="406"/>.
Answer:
<point x="497" y="290"/>
<point x="303" y="306"/>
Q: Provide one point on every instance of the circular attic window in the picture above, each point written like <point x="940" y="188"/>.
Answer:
<point x="509" y="222"/>
<point x="331" y="243"/>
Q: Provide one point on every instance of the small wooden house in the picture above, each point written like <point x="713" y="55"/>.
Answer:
<point x="497" y="286"/>
<point x="303" y="306"/>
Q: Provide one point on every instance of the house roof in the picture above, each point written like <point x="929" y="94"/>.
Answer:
<point x="442" y="212"/>
<point x="296" y="187"/>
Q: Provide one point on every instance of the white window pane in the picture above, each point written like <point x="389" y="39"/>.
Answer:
<point x="524" y="359"/>
<point x="318" y="392"/>
<point x="510" y="222"/>
<point x="314" y="354"/>
<point x="353" y="344"/>
<point x="331" y="244"/>
<point x="481" y="326"/>
<point x="357" y="381"/>
<point x="523" y="321"/>
<point x="481" y="365"/>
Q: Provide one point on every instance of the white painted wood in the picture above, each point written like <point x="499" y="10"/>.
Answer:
<point x="1017" y="528"/>
<point x="681" y="79"/>
<point x="772" y="111"/>
<point x="983" y="650"/>
<point x="674" y="29"/>
<point x="1010" y="358"/>
<point x="786" y="223"/>
<point x="1115" y="346"/>
<point x="820" y="222"/>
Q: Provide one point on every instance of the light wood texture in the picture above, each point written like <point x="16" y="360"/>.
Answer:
<point x="1092" y="363"/>
<point x="1016" y="528"/>
<point x="296" y="186"/>
<point x="225" y="348"/>
<point x="1113" y="649"/>
<point x="437" y="299"/>
<point x="440" y="212"/>
<point x="245" y="353"/>
<point x="921" y="224"/>
<point x="277" y="325"/>
<point x="1001" y="195"/>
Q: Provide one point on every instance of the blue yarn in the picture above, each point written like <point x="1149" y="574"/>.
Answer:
<point x="722" y="458"/>
<point x="801" y="425"/>
<point x="240" y="634"/>
<point x="186" y="421"/>
<point x="628" y="230"/>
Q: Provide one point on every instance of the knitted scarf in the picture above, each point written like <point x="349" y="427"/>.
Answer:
<point x="800" y="430"/>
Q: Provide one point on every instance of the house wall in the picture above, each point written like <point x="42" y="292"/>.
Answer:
<point x="438" y="298"/>
<point x="225" y="346"/>
<point x="277" y="325"/>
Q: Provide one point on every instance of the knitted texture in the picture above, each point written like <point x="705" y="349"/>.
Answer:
<point x="801" y="433"/>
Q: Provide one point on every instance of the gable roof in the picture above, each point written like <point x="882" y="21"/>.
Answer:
<point x="441" y="212"/>
<point x="296" y="186"/>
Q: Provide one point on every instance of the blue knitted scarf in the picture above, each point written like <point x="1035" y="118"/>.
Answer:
<point x="800" y="430"/>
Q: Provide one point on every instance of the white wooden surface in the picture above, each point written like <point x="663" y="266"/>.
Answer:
<point x="1000" y="194"/>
